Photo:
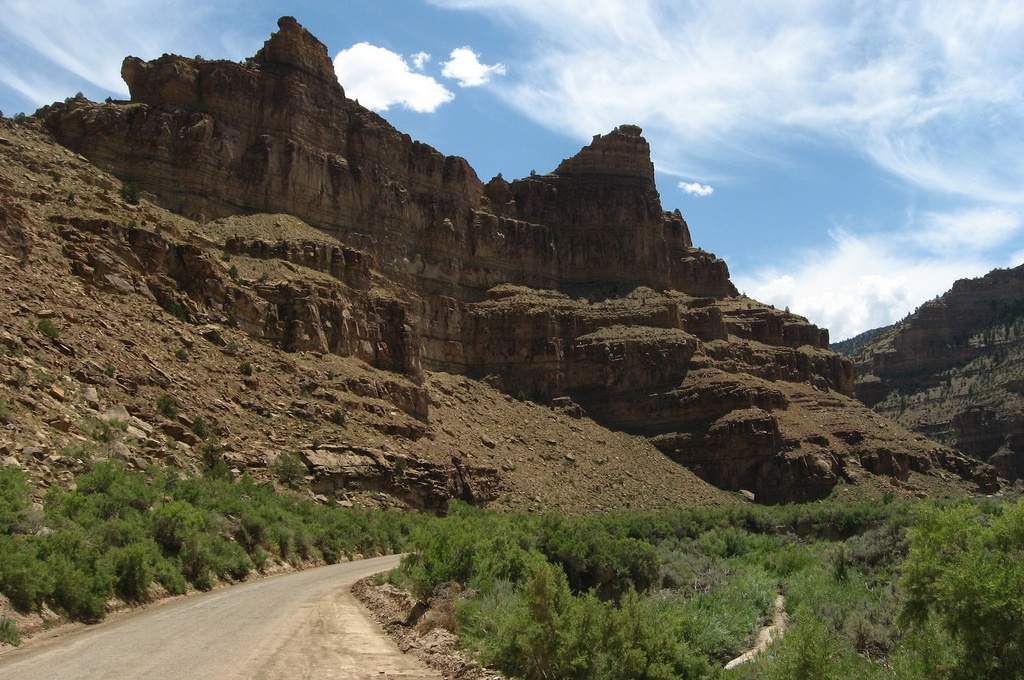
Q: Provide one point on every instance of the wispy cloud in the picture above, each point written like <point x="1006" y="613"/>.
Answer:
<point x="696" y="188"/>
<point x="76" y="41"/>
<point x="905" y="84"/>
<point x="972" y="230"/>
<point x="380" y="78"/>
<point x="864" y="281"/>
<point x="465" y="67"/>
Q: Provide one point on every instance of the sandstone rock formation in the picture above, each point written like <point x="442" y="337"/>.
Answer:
<point x="573" y="288"/>
<point x="108" y="308"/>
<point x="953" y="370"/>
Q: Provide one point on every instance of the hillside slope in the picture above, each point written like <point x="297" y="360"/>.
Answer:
<point x="954" y="370"/>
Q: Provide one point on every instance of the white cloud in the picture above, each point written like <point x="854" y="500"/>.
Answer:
<point x="973" y="230"/>
<point x="420" y="59"/>
<point x="380" y="78"/>
<point x="465" y="67"/>
<point x="930" y="91"/>
<point x="72" y="41"/>
<point x="696" y="188"/>
<point x="861" y="282"/>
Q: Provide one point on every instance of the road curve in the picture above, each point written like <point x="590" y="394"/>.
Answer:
<point x="303" y="625"/>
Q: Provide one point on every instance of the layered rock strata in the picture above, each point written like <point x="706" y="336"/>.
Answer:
<point x="573" y="287"/>
<point x="954" y="370"/>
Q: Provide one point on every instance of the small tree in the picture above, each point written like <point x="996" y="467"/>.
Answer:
<point x="131" y="193"/>
<point x="167" y="405"/>
<point x="289" y="469"/>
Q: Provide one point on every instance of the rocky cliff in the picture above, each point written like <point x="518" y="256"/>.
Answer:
<point x="954" y="370"/>
<point x="574" y="288"/>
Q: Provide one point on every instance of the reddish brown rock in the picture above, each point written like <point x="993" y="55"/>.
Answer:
<point x="952" y="370"/>
<point x="574" y="287"/>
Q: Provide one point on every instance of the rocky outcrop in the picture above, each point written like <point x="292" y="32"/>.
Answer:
<point x="419" y="484"/>
<point x="277" y="135"/>
<point x="573" y="288"/>
<point x="952" y="370"/>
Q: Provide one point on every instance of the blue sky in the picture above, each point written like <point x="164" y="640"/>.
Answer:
<point x="848" y="160"/>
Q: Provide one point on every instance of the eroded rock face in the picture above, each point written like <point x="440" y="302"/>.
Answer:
<point x="421" y="485"/>
<point x="573" y="287"/>
<point x="952" y="370"/>
<point x="277" y="135"/>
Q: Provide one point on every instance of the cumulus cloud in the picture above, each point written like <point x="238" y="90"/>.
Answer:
<point x="465" y="67"/>
<point x="420" y="59"/>
<point x="859" y="282"/>
<point x="696" y="188"/>
<point x="380" y="78"/>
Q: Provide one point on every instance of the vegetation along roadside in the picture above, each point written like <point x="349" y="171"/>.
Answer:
<point x="897" y="589"/>
<point x="902" y="589"/>
<point x="129" y="536"/>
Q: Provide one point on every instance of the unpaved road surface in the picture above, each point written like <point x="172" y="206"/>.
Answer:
<point x="303" y="625"/>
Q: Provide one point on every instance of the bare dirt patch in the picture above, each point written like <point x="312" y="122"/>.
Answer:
<point x="422" y="629"/>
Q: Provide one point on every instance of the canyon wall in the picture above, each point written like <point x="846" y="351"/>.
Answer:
<point x="574" y="288"/>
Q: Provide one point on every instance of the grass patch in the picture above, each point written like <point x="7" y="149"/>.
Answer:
<point x="9" y="631"/>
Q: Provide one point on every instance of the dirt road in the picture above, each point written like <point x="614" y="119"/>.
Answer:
<point x="303" y="625"/>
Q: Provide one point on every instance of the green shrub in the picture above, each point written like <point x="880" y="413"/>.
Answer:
<point x="594" y="557"/>
<point x="252" y="531"/>
<point x="174" y="308"/>
<point x="230" y="560"/>
<point x="964" y="571"/>
<point x="201" y="429"/>
<point x="103" y="430"/>
<point x="212" y="452"/>
<point x="445" y="552"/>
<point x="14" y="499"/>
<point x="48" y="328"/>
<point x="80" y="593"/>
<point x="133" y="570"/>
<point x="131" y="193"/>
<point x="110" y="490"/>
<point x="175" y="522"/>
<point x="806" y="652"/>
<point x="289" y="469"/>
<point x="24" y="578"/>
<point x="167" y="574"/>
<point x="197" y="561"/>
<point x="547" y="632"/>
<point x="167" y="405"/>
<point x="245" y="368"/>
<point x="9" y="631"/>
